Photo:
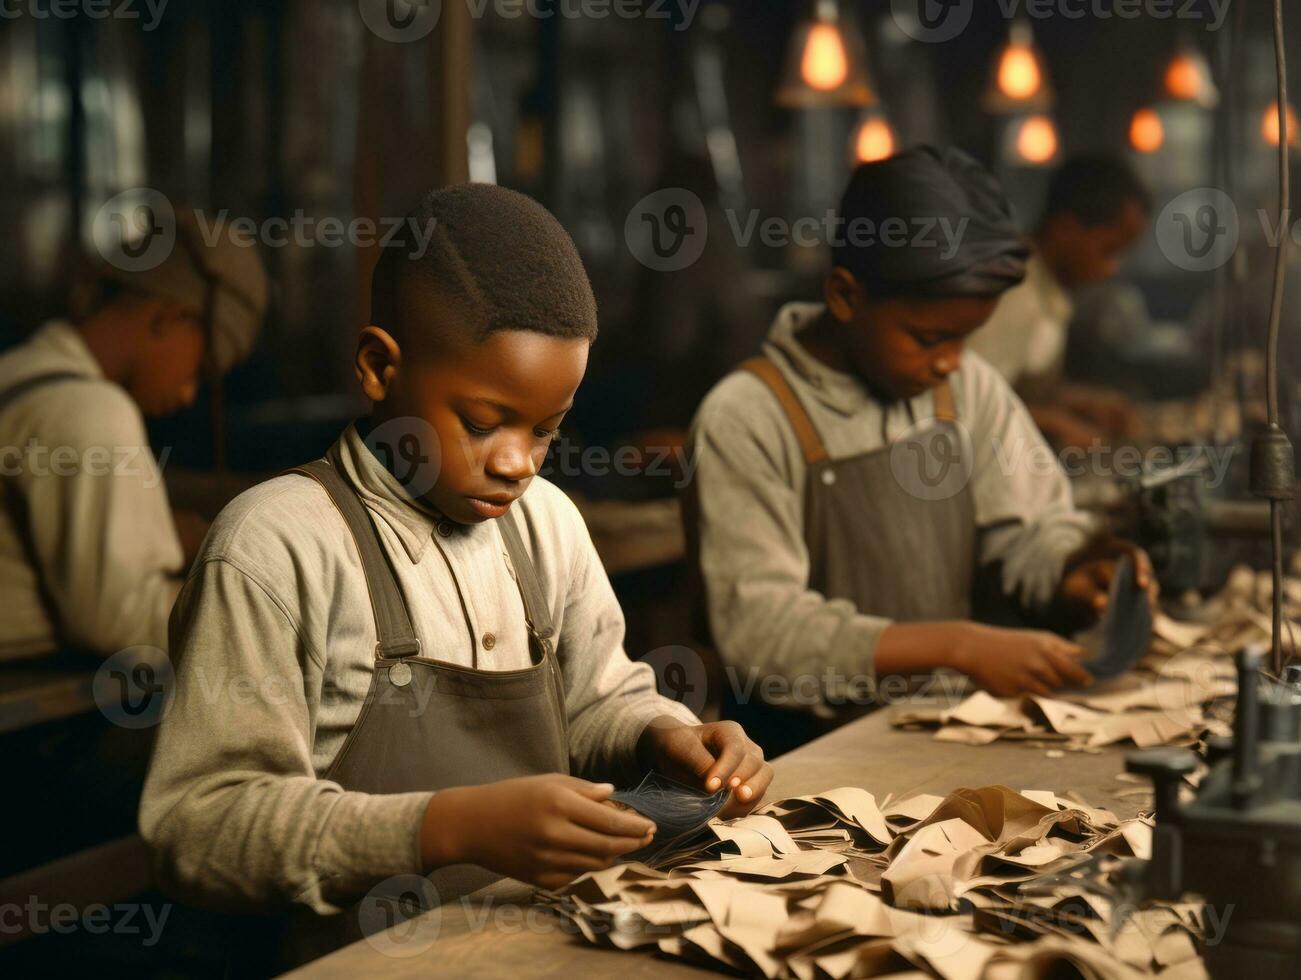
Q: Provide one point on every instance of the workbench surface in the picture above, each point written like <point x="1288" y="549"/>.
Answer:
<point x="495" y="934"/>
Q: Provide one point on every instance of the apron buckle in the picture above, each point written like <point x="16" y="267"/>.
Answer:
<point x="397" y="651"/>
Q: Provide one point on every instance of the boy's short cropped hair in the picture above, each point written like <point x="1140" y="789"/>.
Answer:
<point x="493" y="259"/>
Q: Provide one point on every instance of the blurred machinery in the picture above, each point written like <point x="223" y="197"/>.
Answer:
<point x="1237" y="844"/>
<point x="1196" y="518"/>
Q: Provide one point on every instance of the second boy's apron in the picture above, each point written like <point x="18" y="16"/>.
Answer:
<point x="431" y="725"/>
<point x="892" y="530"/>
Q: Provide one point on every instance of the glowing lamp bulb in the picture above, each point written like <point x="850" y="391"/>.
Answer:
<point x="1146" y="131"/>
<point x="1183" y="78"/>
<point x="1019" y="77"/>
<point x="1269" y="125"/>
<point x="1036" y="141"/>
<point x="825" y="66"/>
<point x="874" y="141"/>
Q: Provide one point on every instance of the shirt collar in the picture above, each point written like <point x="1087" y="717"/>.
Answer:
<point x="61" y="340"/>
<point x="1056" y="301"/>
<point x="411" y="520"/>
<point x="838" y="390"/>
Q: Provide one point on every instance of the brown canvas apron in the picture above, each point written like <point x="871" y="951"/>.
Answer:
<point x="430" y="725"/>
<point x="875" y="539"/>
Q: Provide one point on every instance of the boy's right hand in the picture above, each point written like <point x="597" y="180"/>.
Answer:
<point x="1010" y="662"/>
<point x="543" y="830"/>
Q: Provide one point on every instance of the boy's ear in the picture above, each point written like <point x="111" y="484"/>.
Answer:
<point x="378" y="359"/>
<point x="842" y="294"/>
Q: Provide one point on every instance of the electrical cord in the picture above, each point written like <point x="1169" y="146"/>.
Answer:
<point x="1273" y="465"/>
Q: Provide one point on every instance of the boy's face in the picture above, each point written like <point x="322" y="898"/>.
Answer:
<point x="1092" y="253"/>
<point x="902" y="347"/>
<point x="494" y="406"/>
<point x="165" y="377"/>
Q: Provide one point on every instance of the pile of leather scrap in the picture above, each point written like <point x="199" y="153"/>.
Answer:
<point x="1176" y="695"/>
<point x="982" y="883"/>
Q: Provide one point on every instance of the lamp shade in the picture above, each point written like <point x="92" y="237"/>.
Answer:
<point x="1019" y="80"/>
<point x="826" y="64"/>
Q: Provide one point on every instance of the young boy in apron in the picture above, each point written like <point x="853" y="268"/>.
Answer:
<point x="390" y="661"/>
<point x="854" y="479"/>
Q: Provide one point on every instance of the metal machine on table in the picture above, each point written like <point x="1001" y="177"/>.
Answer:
<point x="1237" y="845"/>
<point x="1194" y="526"/>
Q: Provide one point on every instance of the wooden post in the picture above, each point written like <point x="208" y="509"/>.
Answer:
<point x="453" y="90"/>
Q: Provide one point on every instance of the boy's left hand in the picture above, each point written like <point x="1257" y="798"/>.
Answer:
<point x="711" y="756"/>
<point x="1086" y="583"/>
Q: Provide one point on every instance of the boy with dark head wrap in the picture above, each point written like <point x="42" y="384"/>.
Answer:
<point x="856" y="478"/>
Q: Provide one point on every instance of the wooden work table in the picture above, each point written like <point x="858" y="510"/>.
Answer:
<point x="495" y="934"/>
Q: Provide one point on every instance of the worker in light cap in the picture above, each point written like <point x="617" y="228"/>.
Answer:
<point x="859" y="481"/>
<point x="90" y="553"/>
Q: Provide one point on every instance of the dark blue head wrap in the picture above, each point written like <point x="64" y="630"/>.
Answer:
<point x="961" y="239"/>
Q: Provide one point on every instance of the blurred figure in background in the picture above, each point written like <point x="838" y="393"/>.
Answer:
<point x="90" y="552"/>
<point x="1097" y="208"/>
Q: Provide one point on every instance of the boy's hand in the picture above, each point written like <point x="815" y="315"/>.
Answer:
<point x="1086" y="584"/>
<point x="543" y="830"/>
<point x="1011" y="662"/>
<point x="711" y="756"/>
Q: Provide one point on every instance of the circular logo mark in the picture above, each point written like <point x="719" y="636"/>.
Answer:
<point x="135" y="231"/>
<point x="1198" y="231"/>
<point x="134" y="688"/>
<point x="933" y="460"/>
<point x="409" y="449"/>
<point x="1190" y="679"/>
<point x="932" y="21"/>
<point x="666" y="231"/>
<point x="394" y="916"/>
<point x="401" y="21"/>
<point x="680" y="676"/>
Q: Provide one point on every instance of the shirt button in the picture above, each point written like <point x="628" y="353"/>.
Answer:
<point x="489" y="641"/>
<point x="445" y="528"/>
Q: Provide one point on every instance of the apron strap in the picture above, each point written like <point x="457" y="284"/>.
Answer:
<point x="770" y="374"/>
<point x="535" y="605"/>
<point x="397" y="637"/>
<point x="14" y="392"/>
<point x="946" y="407"/>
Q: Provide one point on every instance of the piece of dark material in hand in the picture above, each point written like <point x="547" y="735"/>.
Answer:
<point x="1118" y="642"/>
<point x="679" y="812"/>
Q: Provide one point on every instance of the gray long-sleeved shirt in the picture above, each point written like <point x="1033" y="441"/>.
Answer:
<point x="89" y="555"/>
<point x="274" y="641"/>
<point x="751" y="474"/>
